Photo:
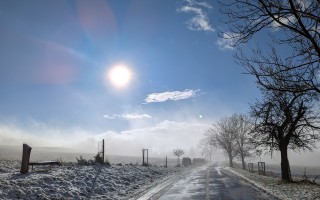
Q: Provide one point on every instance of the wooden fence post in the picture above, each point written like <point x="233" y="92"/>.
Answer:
<point x="147" y="157"/>
<point x="166" y="162"/>
<point x="142" y="156"/>
<point x="25" y="159"/>
<point x="102" y="150"/>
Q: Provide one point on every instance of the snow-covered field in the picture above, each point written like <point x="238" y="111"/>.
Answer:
<point x="273" y="185"/>
<point x="71" y="181"/>
<point x="296" y="171"/>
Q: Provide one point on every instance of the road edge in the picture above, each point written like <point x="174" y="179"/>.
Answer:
<point x="255" y="184"/>
<point x="154" y="192"/>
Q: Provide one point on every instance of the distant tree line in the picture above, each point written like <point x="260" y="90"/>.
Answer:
<point x="231" y="135"/>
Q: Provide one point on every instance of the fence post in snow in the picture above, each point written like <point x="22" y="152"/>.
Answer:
<point x="262" y="168"/>
<point x="166" y="162"/>
<point x="142" y="156"/>
<point x="103" y="150"/>
<point x="25" y="159"/>
<point x="250" y="167"/>
<point x="145" y="163"/>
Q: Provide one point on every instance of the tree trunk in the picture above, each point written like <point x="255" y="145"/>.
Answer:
<point x="285" y="167"/>
<point x="230" y="160"/>
<point x="243" y="163"/>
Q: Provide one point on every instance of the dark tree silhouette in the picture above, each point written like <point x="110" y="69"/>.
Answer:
<point x="298" y="20"/>
<point x="271" y="69"/>
<point x="285" y="120"/>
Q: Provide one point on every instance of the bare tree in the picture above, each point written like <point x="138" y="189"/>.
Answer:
<point x="285" y="120"/>
<point x="243" y="127"/>
<point x="223" y="135"/>
<point x="271" y="68"/>
<point x="178" y="153"/>
<point x="206" y="148"/>
<point x="298" y="21"/>
<point x="231" y="134"/>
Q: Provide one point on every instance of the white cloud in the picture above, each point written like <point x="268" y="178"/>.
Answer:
<point x="228" y="40"/>
<point x="174" y="96"/>
<point x="128" y="116"/>
<point x="303" y="4"/>
<point x="160" y="139"/>
<point x="200" y="21"/>
<point x="203" y="4"/>
<point x="285" y="20"/>
<point x="39" y="134"/>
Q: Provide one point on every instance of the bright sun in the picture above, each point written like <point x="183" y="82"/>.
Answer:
<point x="119" y="75"/>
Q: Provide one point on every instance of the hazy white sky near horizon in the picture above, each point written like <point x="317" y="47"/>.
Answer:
<point x="54" y="59"/>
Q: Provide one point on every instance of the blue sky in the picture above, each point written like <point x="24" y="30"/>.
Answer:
<point x="54" y="56"/>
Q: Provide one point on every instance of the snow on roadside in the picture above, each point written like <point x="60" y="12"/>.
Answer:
<point x="278" y="188"/>
<point x="79" y="182"/>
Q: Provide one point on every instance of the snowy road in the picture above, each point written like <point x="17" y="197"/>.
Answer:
<point x="209" y="182"/>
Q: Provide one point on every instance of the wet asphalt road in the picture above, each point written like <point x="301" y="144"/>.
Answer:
<point x="211" y="182"/>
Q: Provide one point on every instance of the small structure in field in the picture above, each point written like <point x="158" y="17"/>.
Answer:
<point x="186" y="161"/>
<point x="198" y="160"/>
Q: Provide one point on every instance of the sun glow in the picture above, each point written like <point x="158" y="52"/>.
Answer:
<point x="119" y="75"/>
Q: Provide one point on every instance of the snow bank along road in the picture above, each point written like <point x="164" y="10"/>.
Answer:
<point x="204" y="183"/>
<point x="72" y="181"/>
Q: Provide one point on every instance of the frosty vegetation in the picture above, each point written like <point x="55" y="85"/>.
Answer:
<point x="178" y="153"/>
<point x="74" y="181"/>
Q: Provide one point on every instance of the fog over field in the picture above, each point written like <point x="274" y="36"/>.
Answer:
<point x="160" y="140"/>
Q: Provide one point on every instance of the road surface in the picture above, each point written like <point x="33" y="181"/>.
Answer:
<point x="204" y="183"/>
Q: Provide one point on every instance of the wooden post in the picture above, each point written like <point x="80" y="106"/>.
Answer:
<point x="166" y="162"/>
<point x="147" y="157"/>
<point x="142" y="156"/>
<point x="250" y="167"/>
<point x="262" y="168"/>
<point x="25" y="159"/>
<point x="102" y="150"/>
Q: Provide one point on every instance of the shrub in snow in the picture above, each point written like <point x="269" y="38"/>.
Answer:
<point x="83" y="161"/>
<point x="97" y="159"/>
